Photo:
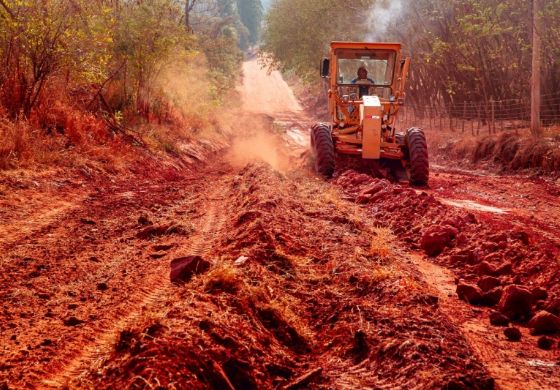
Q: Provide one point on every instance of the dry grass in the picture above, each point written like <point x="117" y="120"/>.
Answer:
<point x="381" y="242"/>
<point x="61" y="131"/>
<point x="224" y="278"/>
<point x="21" y="145"/>
<point x="510" y="151"/>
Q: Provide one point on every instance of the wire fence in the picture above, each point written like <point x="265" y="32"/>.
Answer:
<point x="480" y="118"/>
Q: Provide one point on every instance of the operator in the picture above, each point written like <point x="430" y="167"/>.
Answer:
<point x="363" y="81"/>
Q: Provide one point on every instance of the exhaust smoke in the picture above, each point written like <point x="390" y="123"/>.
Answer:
<point x="381" y="15"/>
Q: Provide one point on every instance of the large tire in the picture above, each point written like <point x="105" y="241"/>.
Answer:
<point x="419" y="166"/>
<point x="323" y="148"/>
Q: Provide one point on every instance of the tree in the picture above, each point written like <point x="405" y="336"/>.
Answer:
<point x="251" y="14"/>
<point x="297" y="34"/>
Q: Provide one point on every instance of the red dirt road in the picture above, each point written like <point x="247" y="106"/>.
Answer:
<point x="306" y="288"/>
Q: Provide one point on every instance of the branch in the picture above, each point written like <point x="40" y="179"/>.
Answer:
<point x="7" y="9"/>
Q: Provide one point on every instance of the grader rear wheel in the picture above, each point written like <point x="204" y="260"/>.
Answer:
<point x="418" y="164"/>
<point x="323" y="149"/>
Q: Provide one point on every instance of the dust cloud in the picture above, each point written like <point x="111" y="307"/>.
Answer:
<point x="186" y="85"/>
<point x="256" y="142"/>
<point x="381" y="15"/>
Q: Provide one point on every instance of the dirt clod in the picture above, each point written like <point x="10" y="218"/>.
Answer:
<point x="102" y="286"/>
<point x="469" y="293"/>
<point x="544" y="323"/>
<point x="553" y="307"/>
<point x="545" y="342"/>
<point x="144" y="220"/>
<point x="46" y="343"/>
<point x="521" y="236"/>
<point x="516" y="303"/>
<point x="184" y="268"/>
<point x="539" y="294"/>
<point x="484" y="268"/>
<point x="512" y="334"/>
<point x="436" y="238"/>
<point x="73" y="321"/>
<point x="492" y="297"/>
<point x="487" y="283"/>
<point x="498" y="319"/>
<point x="163" y="247"/>
<point x="126" y="341"/>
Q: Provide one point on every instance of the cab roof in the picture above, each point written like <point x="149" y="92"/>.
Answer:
<point x="366" y="45"/>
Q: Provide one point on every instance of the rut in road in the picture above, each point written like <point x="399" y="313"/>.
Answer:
<point x="154" y="300"/>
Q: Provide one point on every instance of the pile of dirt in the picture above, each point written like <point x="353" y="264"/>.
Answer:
<point x="509" y="152"/>
<point x="295" y="297"/>
<point x="491" y="256"/>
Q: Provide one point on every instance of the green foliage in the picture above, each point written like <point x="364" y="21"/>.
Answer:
<point x="251" y="14"/>
<point x="467" y="49"/>
<point x="148" y="37"/>
<point x="224" y="59"/>
<point x="115" y="51"/>
<point x="296" y="41"/>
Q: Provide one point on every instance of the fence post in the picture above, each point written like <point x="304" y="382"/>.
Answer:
<point x="479" y="119"/>
<point x="493" y="115"/>
<point x="464" y="116"/>
<point x="431" y="114"/>
<point x="502" y="117"/>
<point x="451" y="119"/>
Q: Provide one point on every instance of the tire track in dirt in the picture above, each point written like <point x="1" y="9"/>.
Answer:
<point x="39" y="221"/>
<point x="508" y="366"/>
<point x="153" y="301"/>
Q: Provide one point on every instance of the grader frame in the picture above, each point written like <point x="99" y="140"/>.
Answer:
<point x="363" y="112"/>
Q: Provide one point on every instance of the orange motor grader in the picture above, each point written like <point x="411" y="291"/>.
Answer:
<point x="366" y="91"/>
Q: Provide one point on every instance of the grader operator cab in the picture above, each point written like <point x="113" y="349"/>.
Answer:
<point x="366" y="90"/>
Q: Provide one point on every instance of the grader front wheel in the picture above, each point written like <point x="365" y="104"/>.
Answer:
<point x="418" y="163"/>
<point x="323" y="149"/>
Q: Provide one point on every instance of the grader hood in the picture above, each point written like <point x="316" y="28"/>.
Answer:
<point x="371" y="114"/>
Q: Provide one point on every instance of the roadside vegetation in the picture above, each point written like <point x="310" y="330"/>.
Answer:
<point x="115" y="75"/>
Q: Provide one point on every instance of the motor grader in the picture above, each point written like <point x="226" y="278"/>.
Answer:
<point x="366" y="89"/>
